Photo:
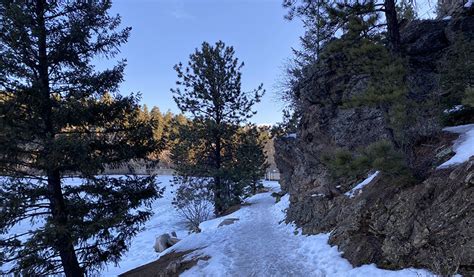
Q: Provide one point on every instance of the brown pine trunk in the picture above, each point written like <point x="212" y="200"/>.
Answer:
<point x="63" y="242"/>
<point x="393" y="29"/>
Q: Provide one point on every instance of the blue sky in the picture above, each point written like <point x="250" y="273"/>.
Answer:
<point x="165" y="32"/>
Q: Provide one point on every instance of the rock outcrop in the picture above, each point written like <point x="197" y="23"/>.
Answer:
<point x="165" y="241"/>
<point x="428" y="225"/>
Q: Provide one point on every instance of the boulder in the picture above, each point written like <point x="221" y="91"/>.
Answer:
<point x="165" y="241"/>
<point x="227" y="221"/>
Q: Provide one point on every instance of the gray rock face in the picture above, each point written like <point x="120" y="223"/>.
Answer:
<point x="428" y="225"/>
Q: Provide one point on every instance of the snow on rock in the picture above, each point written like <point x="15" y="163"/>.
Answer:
<point x="468" y="4"/>
<point x="260" y="245"/>
<point x="463" y="146"/>
<point x="456" y="108"/>
<point x="292" y="135"/>
<point x="358" y="188"/>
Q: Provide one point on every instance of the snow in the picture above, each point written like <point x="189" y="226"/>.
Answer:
<point x="292" y="135"/>
<point x="463" y="146"/>
<point x="456" y="108"/>
<point x="165" y="220"/>
<point x="358" y="188"/>
<point x="468" y="4"/>
<point x="447" y="17"/>
<point x="260" y="245"/>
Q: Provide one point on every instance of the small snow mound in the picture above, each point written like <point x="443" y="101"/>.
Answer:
<point x="463" y="146"/>
<point x="358" y="188"/>
<point x="279" y="209"/>
<point x="468" y="4"/>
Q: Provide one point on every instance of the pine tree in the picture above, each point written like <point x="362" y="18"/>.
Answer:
<point x="209" y="91"/>
<point x="324" y="20"/>
<point x="457" y="81"/>
<point x="61" y="117"/>
<point x="251" y="157"/>
<point x="157" y="118"/>
<point x="457" y="71"/>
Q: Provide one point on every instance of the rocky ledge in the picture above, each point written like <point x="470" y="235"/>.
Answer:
<point x="429" y="224"/>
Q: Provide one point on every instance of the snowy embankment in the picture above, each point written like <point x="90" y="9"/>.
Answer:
<point x="256" y="245"/>
<point x="463" y="146"/>
<point x="259" y="244"/>
<point x="165" y="220"/>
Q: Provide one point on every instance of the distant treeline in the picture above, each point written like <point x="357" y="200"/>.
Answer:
<point x="166" y="130"/>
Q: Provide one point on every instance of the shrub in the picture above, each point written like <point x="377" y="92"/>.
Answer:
<point x="344" y="164"/>
<point x="349" y="166"/>
<point x="193" y="201"/>
<point x="384" y="157"/>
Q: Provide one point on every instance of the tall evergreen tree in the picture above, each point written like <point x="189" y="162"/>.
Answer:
<point x="360" y="37"/>
<point x="209" y="91"/>
<point x="59" y="117"/>
<point x="363" y="42"/>
<point x="326" y="19"/>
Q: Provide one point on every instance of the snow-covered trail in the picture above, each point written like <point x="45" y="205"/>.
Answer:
<point x="258" y="245"/>
<point x="261" y="249"/>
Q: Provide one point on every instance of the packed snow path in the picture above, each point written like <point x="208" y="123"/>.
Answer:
<point x="261" y="249"/>
<point x="258" y="245"/>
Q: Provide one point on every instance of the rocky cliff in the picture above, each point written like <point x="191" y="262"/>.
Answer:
<point x="429" y="224"/>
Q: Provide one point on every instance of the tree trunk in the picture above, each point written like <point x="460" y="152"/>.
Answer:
<point x="63" y="242"/>
<point x="393" y="29"/>
<point x="218" y="189"/>
<point x="388" y="128"/>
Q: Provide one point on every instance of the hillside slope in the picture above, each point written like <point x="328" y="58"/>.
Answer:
<point x="426" y="224"/>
